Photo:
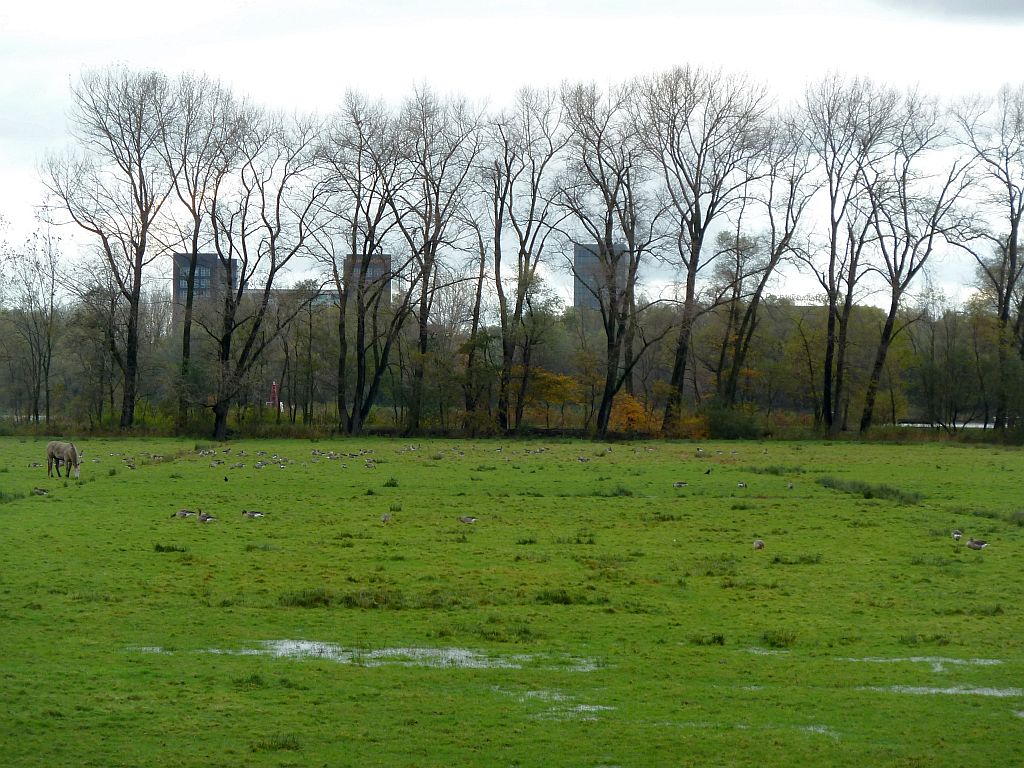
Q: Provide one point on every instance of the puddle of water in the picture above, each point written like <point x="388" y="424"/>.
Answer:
<point x="938" y="663"/>
<point x="818" y="730"/>
<point x="959" y="690"/>
<point x="823" y="730"/>
<point x="543" y="696"/>
<point x="563" y="709"/>
<point x="767" y="651"/>
<point x="454" y="658"/>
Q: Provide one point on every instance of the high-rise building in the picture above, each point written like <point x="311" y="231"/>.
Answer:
<point x="378" y="274"/>
<point x="210" y="280"/>
<point x="591" y="273"/>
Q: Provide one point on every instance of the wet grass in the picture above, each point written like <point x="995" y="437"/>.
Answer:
<point x="590" y="572"/>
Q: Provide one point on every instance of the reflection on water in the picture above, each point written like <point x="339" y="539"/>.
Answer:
<point x="455" y="658"/>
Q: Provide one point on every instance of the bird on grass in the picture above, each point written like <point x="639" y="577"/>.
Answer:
<point x="183" y="513"/>
<point x="957" y="534"/>
<point x="707" y="471"/>
<point x="205" y="518"/>
<point x="468" y="519"/>
<point x="973" y="543"/>
<point x="679" y="484"/>
<point x="758" y="544"/>
<point x="252" y="514"/>
<point x="385" y="519"/>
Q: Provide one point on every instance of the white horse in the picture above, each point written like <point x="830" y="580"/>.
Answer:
<point x="57" y="452"/>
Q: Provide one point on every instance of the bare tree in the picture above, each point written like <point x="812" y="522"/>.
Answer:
<point x="850" y="123"/>
<point x="440" y="140"/>
<point x="263" y="216"/>
<point x="912" y="211"/>
<point x="363" y="156"/>
<point x="115" y="188"/>
<point x="200" y="142"/>
<point x="33" y="279"/>
<point x="782" y="192"/>
<point x="525" y="143"/>
<point x="704" y="132"/>
<point x="992" y="130"/>
<point x="603" y="191"/>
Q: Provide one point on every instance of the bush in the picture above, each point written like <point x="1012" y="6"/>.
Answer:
<point x="732" y="423"/>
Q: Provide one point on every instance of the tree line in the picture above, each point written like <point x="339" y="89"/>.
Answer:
<point x="694" y="191"/>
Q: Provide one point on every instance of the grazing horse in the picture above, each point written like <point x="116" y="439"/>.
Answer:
<point x="57" y="452"/>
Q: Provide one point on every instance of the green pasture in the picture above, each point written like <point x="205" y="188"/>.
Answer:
<point x="607" y="607"/>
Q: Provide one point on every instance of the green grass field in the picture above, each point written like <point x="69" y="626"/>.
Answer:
<point x="599" y="612"/>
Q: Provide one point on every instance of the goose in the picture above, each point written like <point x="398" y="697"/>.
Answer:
<point x="205" y="518"/>
<point x="741" y="484"/>
<point x="468" y="519"/>
<point x="957" y="534"/>
<point x="758" y="544"/>
<point x="252" y="514"/>
<point x="385" y="519"/>
<point x="976" y="543"/>
<point x="679" y="484"/>
<point x="183" y="513"/>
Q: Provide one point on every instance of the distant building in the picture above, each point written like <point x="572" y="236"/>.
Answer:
<point x="378" y="273"/>
<point x="590" y="275"/>
<point x="210" y="280"/>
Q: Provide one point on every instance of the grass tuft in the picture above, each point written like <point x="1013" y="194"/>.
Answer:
<point x="168" y="548"/>
<point x="915" y="639"/>
<point x="717" y="565"/>
<point x="559" y="596"/>
<point x="280" y="743"/>
<point x="871" y="490"/>
<point x="713" y="639"/>
<point x="315" y="597"/>
<point x="778" y="638"/>
<point x="814" y="559"/>
<point x="249" y="682"/>
<point x="383" y="598"/>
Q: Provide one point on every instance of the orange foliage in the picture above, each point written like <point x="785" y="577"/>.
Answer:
<point x="629" y="415"/>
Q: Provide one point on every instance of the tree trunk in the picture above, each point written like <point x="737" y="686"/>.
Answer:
<point x="876" y="369"/>
<point x="220" y="420"/>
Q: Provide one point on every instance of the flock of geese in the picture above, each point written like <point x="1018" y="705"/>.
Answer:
<point x="251" y="514"/>
<point x="204" y="517"/>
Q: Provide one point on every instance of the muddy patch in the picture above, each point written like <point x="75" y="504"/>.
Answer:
<point x="440" y="658"/>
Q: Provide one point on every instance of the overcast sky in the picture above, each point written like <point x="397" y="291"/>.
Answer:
<point x="304" y="54"/>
